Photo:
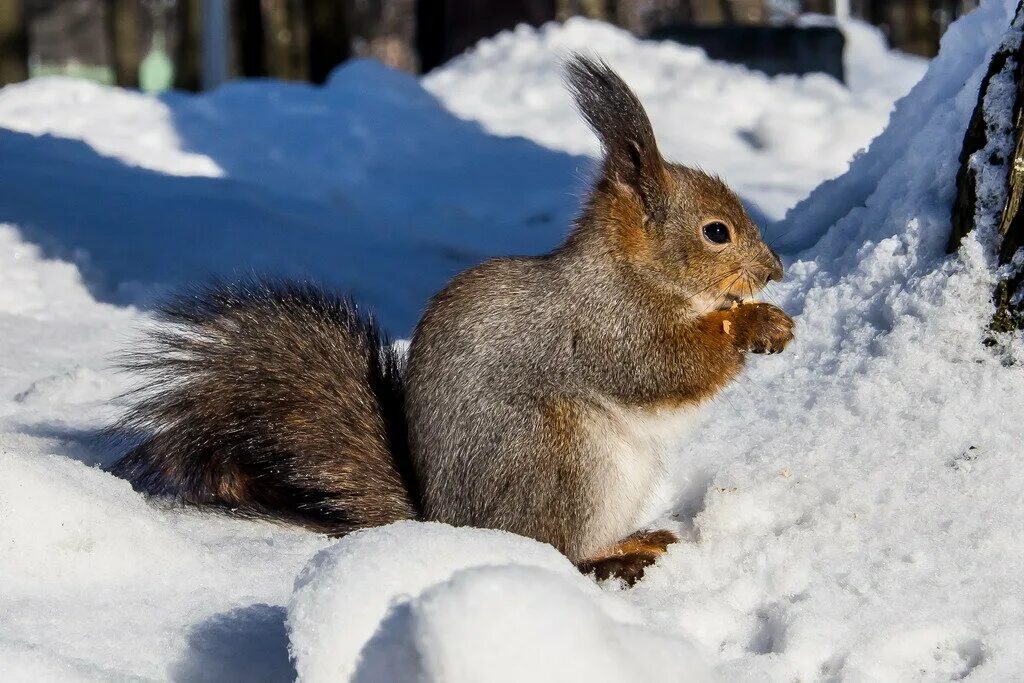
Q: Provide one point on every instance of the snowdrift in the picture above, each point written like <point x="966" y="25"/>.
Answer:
<point x="372" y="183"/>
<point x="851" y="508"/>
<point x="369" y="184"/>
<point x="475" y="605"/>
<point x="773" y="139"/>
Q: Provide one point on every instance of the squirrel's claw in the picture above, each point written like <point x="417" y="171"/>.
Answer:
<point x="762" y="328"/>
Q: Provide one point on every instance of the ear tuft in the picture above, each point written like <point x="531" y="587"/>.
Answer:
<point x="615" y="114"/>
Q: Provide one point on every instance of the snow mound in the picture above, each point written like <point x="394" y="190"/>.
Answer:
<point x="349" y="184"/>
<point x="864" y="483"/>
<point x="774" y="139"/>
<point x="373" y="183"/>
<point x="97" y="582"/>
<point x="29" y="286"/>
<point x="118" y="123"/>
<point x="467" y="605"/>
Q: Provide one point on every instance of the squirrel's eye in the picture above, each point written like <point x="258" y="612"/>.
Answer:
<point x="717" y="232"/>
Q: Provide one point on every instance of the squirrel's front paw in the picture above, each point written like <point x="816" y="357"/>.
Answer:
<point x="762" y="328"/>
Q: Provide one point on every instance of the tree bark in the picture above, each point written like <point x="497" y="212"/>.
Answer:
<point x="13" y="41"/>
<point x="980" y="155"/>
<point x="188" y="51"/>
<point x="818" y="6"/>
<point x="464" y="22"/>
<point x="749" y="11"/>
<point x="329" y="39"/>
<point x="125" y="45"/>
<point x="287" y="39"/>
<point x="1009" y="313"/>
<point x="251" y="39"/>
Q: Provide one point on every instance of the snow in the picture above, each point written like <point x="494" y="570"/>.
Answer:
<point x="96" y="582"/>
<point x="298" y="186"/>
<point x="850" y="509"/>
<point x="445" y="594"/>
<point x="773" y="139"/>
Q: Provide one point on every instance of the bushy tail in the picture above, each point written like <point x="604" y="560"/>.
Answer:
<point x="274" y="400"/>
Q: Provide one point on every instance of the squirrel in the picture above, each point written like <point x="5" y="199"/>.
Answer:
<point x="539" y="394"/>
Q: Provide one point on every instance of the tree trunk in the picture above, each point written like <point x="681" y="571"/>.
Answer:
<point x="430" y="33"/>
<point x="818" y="6"/>
<point x="287" y="39"/>
<point x="188" y="51"/>
<point x="388" y="30"/>
<point x="251" y="39"/>
<point x="725" y="7"/>
<point x="13" y="41"/>
<point x="749" y="11"/>
<point x="464" y="22"/>
<point x="995" y="149"/>
<point x="329" y="39"/>
<point x="125" y="44"/>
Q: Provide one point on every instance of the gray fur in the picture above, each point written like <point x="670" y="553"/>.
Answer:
<point x="586" y="327"/>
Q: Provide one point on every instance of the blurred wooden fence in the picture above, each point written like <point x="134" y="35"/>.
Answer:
<point x="305" y="39"/>
<point x="911" y="25"/>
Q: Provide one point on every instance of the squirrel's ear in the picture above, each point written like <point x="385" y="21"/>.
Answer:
<point x="616" y="115"/>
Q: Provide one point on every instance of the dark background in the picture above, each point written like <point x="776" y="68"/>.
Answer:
<point x="305" y="39"/>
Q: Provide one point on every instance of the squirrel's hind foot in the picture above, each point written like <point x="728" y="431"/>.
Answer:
<point x="628" y="559"/>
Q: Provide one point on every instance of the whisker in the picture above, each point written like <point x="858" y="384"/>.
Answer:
<point x="750" y="285"/>
<point x="713" y="284"/>
<point x="775" y="238"/>
<point x="771" y="297"/>
<point x="725" y="292"/>
<point x="767" y="293"/>
<point x="728" y="287"/>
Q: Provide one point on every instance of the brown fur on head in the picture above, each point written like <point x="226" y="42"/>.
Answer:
<point x="676" y="227"/>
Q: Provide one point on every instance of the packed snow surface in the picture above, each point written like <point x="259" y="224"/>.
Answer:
<point x="851" y="509"/>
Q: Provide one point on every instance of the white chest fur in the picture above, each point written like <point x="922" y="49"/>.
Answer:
<point x="630" y="445"/>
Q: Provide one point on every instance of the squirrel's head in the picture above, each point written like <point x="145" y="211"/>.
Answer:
<point x="675" y="226"/>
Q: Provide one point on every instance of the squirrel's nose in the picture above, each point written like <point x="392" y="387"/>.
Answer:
<point x="775" y="271"/>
